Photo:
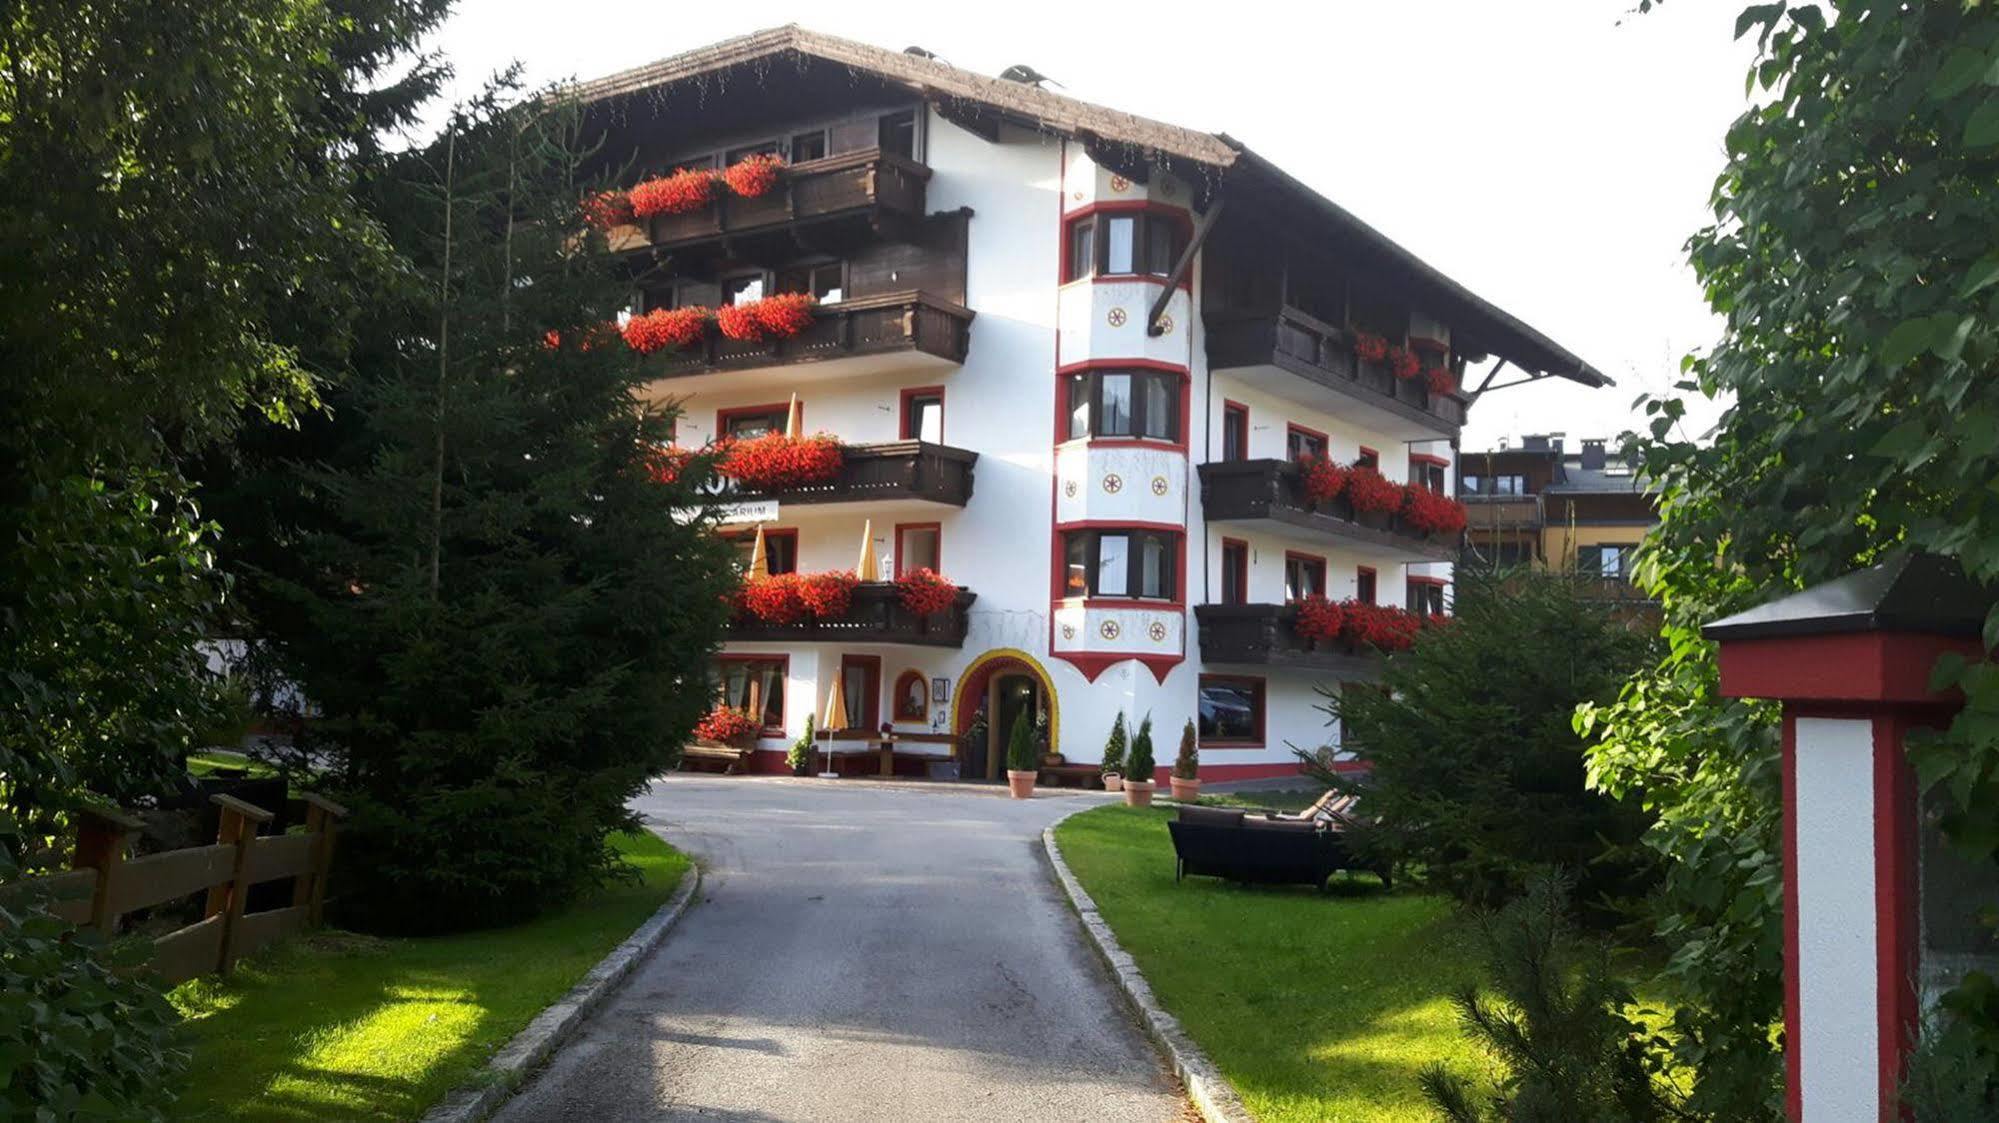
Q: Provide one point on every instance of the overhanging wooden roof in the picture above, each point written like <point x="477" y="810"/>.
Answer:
<point x="1223" y="163"/>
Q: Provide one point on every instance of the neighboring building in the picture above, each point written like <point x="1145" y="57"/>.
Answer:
<point x="1546" y="507"/>
<point x="1046" y="396"/>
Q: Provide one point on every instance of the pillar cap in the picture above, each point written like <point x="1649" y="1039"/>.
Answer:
<point x="1922" y="594"/>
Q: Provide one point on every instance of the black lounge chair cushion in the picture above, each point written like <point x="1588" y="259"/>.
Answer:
<point x="1212" y="816"/>
<point x="1289" y="826"/>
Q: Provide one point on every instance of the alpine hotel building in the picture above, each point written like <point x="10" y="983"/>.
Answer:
<point x="1073" y="358"/>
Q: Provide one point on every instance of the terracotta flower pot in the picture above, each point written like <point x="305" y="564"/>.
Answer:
<point x="1020" y="784"/>
<point x="1113" y="782"/>
<point x="1138" y="793"/>
<point x="1185" y="791"/>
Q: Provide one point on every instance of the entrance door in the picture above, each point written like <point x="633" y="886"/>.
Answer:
<point x="1009" y="697"/>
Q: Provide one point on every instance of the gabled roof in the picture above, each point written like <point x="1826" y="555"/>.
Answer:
<point x="1034" y="107"/>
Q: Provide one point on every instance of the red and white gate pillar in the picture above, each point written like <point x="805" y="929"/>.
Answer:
<point x="1850" y="660"/>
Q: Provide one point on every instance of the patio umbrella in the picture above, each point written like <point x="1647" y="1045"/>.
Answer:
<point x="794" y="418"/>
<point x="759" y="561"/>
<point x="836" y="719"/>
<point x="867" y="569"/>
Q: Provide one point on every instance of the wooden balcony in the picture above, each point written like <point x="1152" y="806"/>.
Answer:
<point x="1296" y="357"/>
<point x="871" y="186"/>
<point x="907" y="331"/>
<point x="1268" y="495"/>
<point x="895" y="470"/>
<point x="1502" y="512"/>
<point x="876" y="616"/>
<point x="1262" y="635"/>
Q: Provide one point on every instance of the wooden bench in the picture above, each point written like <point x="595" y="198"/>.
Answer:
<point x="731" y="758"/>
<point x="1083" y="775"/>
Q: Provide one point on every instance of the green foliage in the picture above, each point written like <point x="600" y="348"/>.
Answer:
<point x="83" y="1035"/>
<point x="1558" y="1024"/>
<point x="799" y="756"/>
<point x="499" y="613"/>
<point x="1021" y="755"/>
<point x="1114" y="748"/>
<point x="1476" y="774"/>
<point x="1187" y="765"/>
<point x="1138" y="764"/>
<point x="1952" y="1072"/>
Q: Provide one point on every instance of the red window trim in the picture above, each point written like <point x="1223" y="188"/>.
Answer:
<point x="1179" y="214"/>
<point x="1262" y="685"/>
<point x="783" y="659"/>
<point x="1056" y="564"/>
<point x="1292" y="428"/>
<point x="1366" y="452"/>
<point x="1242" y="410"/>
<point x="1427" y="458"/>
<point x="1440" y="582"/>
<point x="1369" y="571"/>
<point x="903" y="424"/>
<point x="1062" y="373"/>
<point x="895" y="697"/>
<point x="1242" y="568"/>
<point x="1325" y="571"/>
<point x="723" y="416"/>
<point x="900" y="527"/>
<point x="873" y="663"/>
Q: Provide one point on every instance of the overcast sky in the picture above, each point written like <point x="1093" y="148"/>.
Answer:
<point x="1552" y="155"/>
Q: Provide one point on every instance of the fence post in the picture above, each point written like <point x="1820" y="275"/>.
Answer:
<point x="240" y="821"/>
<point x="101" y="835"/>
<point x="310" y="890"/>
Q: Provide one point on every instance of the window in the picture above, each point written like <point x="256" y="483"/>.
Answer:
<point x="1235" y="572"/>
<point x="1124" y="243"/>
<point x="826" y="280"/>
<point x="1493" y="485"/>
<point x="898" y="134"/>
<point x="1235" y="431"/>
<point x="923" y="414"/>
<point x="752" y="421"/>
<point x="1304" y="444"/>
<point x="1363" y="585"/>
<point x="1121" y="563"/>
<point x="1427" y="472"/>
<point x="1426" y="598"/>
<point x="780" y="550"/>
<point x="911" y="700"/>
<point x="1304" y="576"/>
<point x="1368" y="458"/>
<point x="1231" y="710"/>
<point x="808" y="146"/>
<point x="1140" y="403"/>
<point x="861" y="689"/>
<point x="1604" y="561"/>
<point x="757" y="685"/>
<point x="743" y="289"/>
<point x="917" y="546"/>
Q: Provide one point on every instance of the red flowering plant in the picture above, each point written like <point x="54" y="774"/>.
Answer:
<point x="689" y="189"/>
<point x="827" y="596"/>
<point x="726" y="724"/>
<point x="1380" y="626"/>
<point x="667" y="465"/>
<point x="925" y="592"/>
<point x="1405" y="363"/>
<point x="755" y="175"/>
<point x="1428" y="512"/>
<point x="774" y="598"/>
<point x="1370" y="491"/>
<point x="774" y="461"/>
<point x="1319" y="479"/>
<point x="607" y="209"/>
<point x="1319" y="620"/>
<point x="665" y="329"/>
<point x="1369" y="347"/>
<point x="774" y="317"/>
<point x="1441" y="380"/>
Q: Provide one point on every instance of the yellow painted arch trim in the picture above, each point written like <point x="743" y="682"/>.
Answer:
<point x="960" y="716"/>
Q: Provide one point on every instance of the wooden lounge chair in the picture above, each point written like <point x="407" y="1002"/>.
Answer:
<point x="1266" y="849"/>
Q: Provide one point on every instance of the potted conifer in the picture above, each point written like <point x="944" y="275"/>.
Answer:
<point x="1138" y="763"/>
<point x="1023" y="762"/>
<point x="800" y="756"/>
<point x="1186" y="778"/>
<point x="1113" y="766"/>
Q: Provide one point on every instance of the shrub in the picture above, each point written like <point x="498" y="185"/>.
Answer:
<point x="1476" y="772"/>
<point x="1187" y="765"/>
<point x="1114" y="747"/>
<point x="799" y="756"/>
<point x="1138" y="764"/>
<point x="1020" y="753"/>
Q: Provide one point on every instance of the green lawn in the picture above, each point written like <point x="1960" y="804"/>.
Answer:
<point x="342" y="1026"/>
<point x="1316" y="1007"/>
<point x="206" y="764"/>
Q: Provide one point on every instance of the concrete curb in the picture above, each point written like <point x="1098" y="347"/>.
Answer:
<point x="1212" y="1094"/>
<point x="485" y="1092"/>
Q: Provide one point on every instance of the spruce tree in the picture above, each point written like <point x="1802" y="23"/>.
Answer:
<point x="1138" y="764"/>
<point x="1187" y="765"/>
<point x="1020" y="752"/>
<point x="1115" y="747"/>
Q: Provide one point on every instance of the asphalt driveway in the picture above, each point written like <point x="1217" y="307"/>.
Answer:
<point x="859" y="952"/>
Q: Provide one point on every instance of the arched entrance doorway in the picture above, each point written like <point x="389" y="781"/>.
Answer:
<point x="997" y="687"/>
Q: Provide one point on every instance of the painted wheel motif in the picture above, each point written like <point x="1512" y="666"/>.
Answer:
<point x="1157" y="631"/>
<point x="1120" y="184"/>
<point x="1159" y="485"/>
<point x="1108" y="629"/>
<point x="1113" y="483"/>
<point x="1069" y="488"/>
<point x="1165" y="324"/>
<point x="1068" y="631"/>
<point x="1115" y="317"/>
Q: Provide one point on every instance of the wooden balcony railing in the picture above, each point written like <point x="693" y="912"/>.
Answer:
<point x="1502" y="512"/>
<point x="1233" y="490"/>
<point x="876" y="325"/>
<point x="1312" y="349"/>
<point x="869" y="184"/>
<point x="1263" y="635"/>
<point x="893" y="470"/>
<point x="875" y="616"/>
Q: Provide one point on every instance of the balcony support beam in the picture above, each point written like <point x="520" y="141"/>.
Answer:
<point x="1182" y="267"/>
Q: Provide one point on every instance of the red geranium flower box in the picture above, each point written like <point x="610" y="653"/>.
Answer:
<point x="774" y="461"/>
<point x="925" y="592"/>
<point x="1372" y="492"/>
<point x="752" y="176"/>
<point x="1405" y="363"/>
<point x="1383" y="627"/>
<point x="774" y="317"/>
<point x="1319" y="620"/>
<point x="607" y="209"/>
<point x="1441" y="380"/>
<point x="683" y="191"/>
<point x="1369" y="347"/>
<point x="665" y="329"/>
<point x="774" y="599"/>
<point x="726" y="724"/>
<point x="1320" y="479"/>
<point x="827" y="596"/>
<point x="1428" y="512"/>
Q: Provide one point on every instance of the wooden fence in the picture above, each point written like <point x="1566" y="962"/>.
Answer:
<point x="103" y="884"/>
